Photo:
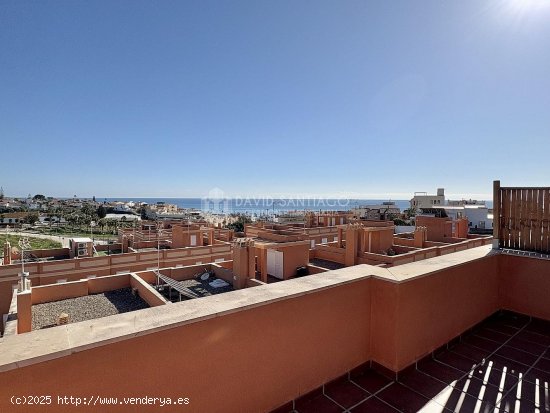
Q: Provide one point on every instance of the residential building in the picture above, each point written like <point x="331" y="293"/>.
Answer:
<point x="422" y="200"/>
<point x="386" y="210"/>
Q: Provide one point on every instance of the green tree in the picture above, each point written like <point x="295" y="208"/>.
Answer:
<point x="238" y="225"/>
<point x="31" y="218"/>
<point x="39" y="197"/>
<point x="101" y="212"/>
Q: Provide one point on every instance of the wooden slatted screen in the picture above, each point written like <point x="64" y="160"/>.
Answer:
<point x="522" y="217"/>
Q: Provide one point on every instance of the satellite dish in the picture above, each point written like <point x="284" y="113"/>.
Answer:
<point x="205" y="276"/>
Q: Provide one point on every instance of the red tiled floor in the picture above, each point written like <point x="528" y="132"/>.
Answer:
<point x="478" y="389"/>
<point x="374" y="405"/>
<point x="530" y="347"/>
<point x="473" y="353"/>
<point x="500" y="379"/>
<point x="456" y="360"/>
<point x="513" y="367"/>
<point x="492" y="335"/>
<point x="422" y="383"/>
<point x="503" y="329"/>
<point x="539" y="326"/>
<point x="533" y="394"/>
<point x="534" y="374"/>
<point x="440" y="371"/>
<point x="517" y="355"/>
<point x="482" y="343"/>
<point x="510" y="353"/>
<point x="510" y="319"/>
<point x="542" y="364"/>
<point x="457" y="401"/>
<point x="511" y="404"/>
<point x="316" y="405"/>
<point x="371" y="381"/>
<point x="403" y="398"/>
<point x="345" y="393"/>
<point x="534" y="337"/>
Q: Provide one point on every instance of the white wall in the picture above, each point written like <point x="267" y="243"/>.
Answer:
<point x="400" y="229"/>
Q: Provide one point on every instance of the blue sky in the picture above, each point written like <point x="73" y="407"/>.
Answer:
<point x="367" y="99"/>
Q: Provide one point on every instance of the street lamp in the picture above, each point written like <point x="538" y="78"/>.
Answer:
<point x="24" y="282"/>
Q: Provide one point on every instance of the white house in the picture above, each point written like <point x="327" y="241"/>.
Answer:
<point x="424" y="200"/>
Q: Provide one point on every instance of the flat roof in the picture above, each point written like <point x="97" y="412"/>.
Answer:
<point x="88" y="307"/>
<point x="82" y="239"/>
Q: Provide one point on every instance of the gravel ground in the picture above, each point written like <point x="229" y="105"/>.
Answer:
<point x="200" y="287"/>
<point x="329" y="265"/>
<point x="86" y="308"/>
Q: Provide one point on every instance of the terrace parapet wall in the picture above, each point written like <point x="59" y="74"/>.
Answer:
<point x="392" y="316"/>
<point x="49" y="272"/>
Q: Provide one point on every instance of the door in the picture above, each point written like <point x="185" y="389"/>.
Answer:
<point x="193" y="240"/>
<point x="275" y="263"/>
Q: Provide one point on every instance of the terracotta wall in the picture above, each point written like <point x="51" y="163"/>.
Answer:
<point x="330" y="253"/>
<point x="212" y="359"/>
<point x="108" y="283"/>
<point x="44" y="273"/>
<point x="146" y="292"/>
<point x="46" y="253"/>
<point x="108" y="247"/>
<point x="525" y="285"/>
<point x="345" y="325"/>
<point x="438" y="228"/>
<point x="57" y="292"/>
<point x="434" y="309"/>
<point x="294" y="256"/>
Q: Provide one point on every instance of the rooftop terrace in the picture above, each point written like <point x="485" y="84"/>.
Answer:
<point x="466" y="331"/>
<point x="500" y="365"/>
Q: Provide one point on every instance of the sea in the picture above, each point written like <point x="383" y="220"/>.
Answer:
<point x="260" y="206"/>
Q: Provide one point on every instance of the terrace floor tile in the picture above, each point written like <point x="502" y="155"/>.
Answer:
<point x="403" y="398"/>
<point x="440" y="371"/>
<point x="528" y="346"/>
<point x="317" y="404"/>
<point x="475" y="354"/>
<point x="345" y="393"/>
<point x="502" y="366"/>
<point x="371" y="381"/>
<point x="517" y="355"/>
<point x="374" y="405"/>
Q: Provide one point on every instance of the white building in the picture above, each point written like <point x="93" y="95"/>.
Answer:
<point x="377" y="211"/>
<point x="423" y="200"/>
<point x="127" y="217"/>
<point x="478" y="215"/>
